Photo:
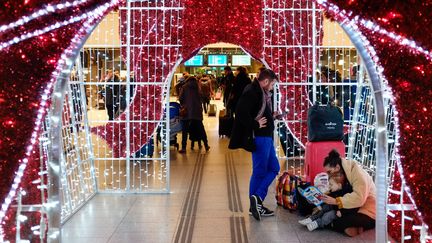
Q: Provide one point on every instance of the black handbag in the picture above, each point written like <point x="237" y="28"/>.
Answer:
<point x="325" y="123"/>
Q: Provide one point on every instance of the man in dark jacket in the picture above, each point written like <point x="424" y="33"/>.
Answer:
<point x="228" y="83"/>
<point x="253" y="131"/>
<point x="112" y="94"/>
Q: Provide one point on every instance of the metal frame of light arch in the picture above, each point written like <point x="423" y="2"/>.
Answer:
<point x="378" y="89"/>
<point x="381" y="232"/>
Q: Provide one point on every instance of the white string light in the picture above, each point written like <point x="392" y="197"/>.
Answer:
<point x="57" y="25"/>
<point x="368" y="24"/>
<point x="97" y="13"/>
<point x="389" y="93"/>
<point x="39" y="13"/>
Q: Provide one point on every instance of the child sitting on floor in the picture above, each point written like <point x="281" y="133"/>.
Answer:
<point x="325" y="214"/>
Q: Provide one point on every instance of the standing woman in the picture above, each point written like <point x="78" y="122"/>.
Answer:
<point x="206" y="92"/>
<point x="112" y="94"/>
<point x="241" y="81"/>
<point x="190" y="98"/>
<point x="362" y="197"/>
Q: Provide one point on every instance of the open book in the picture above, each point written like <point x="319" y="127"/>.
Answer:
<point x="312" y="194"/>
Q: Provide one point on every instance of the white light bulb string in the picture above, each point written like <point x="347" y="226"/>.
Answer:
<point x="56" y="25"/>
<point x="99" y="12"/>
<point x="370" y="25"/>
<point x="39" y="13"/>
<point x="336" y="11"/>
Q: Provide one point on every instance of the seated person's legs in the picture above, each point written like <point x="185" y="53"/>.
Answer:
<point x="356" y="220"/>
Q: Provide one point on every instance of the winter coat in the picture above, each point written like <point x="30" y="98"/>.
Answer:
<point x="190" y="98"/>
<point x="245" y="125"/>
<point x="228" y="81"/>
<point x="206" y="88"/>
<point x="240" y="83"/>
<point x="363" y="195"/>
<point x="112" y="91"/>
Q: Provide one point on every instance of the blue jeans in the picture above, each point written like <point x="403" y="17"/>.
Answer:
<point x="325" y="216"/>
<point x="265" y="167"/>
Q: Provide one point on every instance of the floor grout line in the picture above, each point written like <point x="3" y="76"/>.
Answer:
<point x="182" y="166"/>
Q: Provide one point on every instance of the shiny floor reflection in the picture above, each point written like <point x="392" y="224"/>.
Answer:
<point x="208" y="203"/>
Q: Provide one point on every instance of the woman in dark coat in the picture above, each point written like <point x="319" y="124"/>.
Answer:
<point x="190" y="98"/>
<point x="206" y="92"/>
<point x="112" y="94"/>
<point x="241" y="81"/>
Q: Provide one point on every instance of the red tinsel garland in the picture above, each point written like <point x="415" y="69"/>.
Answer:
<point x="395" y="223"/>
<point x="200" y="25"/>
<point x="409" y="75"/>
<point x="25" y="72"/>
<point x="285" y="31"/>
<point x="28" y="65"/>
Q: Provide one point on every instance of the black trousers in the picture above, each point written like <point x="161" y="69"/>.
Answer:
<point x="197" y="132"/>
<point x="205" y="104"/>
<point x="353" y="220"/>
<point x="185" y="131"/>
<point x="111" y="110"/>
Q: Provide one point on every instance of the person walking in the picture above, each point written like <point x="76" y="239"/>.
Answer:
<point x="206" y="92"/>
<point x="112" y="94"/>
<point x="227" y="83"/>
<point x="190" y="99"/>
<point x="181" y="82"/>
<point x="241" y="81"/>
<point x="253" y="131"/>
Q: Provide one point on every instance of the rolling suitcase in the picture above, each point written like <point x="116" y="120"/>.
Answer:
<point x="315" y="154"/>
<point x="225" y="125"/>
<point x="212" y="110"/>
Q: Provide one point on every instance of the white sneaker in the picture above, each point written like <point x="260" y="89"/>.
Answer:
<point x="312" y="226"/>
<point x="305" y="221"/>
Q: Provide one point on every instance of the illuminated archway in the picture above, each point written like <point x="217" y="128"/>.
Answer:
<point x="58" y="43"/>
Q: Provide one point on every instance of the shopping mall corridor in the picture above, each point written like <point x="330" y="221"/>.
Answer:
<point x="208" y="203"/>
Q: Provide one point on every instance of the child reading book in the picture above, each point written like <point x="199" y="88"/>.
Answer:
<point x="339" y="186"/>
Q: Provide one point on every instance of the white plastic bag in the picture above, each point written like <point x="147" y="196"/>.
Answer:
<point x="321" y="181"/>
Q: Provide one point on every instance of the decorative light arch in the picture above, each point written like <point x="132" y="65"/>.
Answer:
<point x="40" y="46"/>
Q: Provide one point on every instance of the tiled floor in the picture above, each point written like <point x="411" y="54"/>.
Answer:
<point x="208" y="203"/>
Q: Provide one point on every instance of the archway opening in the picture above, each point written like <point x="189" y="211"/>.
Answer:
<point x="118" y="176"/>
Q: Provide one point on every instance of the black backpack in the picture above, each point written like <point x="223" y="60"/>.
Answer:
<point x="325" y="123"/>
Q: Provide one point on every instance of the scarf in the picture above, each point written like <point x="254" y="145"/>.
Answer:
<point x="266" y="101"/>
